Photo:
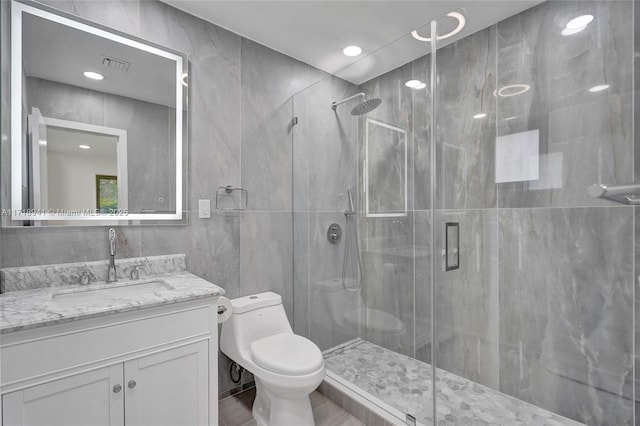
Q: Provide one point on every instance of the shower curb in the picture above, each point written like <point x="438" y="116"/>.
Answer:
<point x="356" y="405"/>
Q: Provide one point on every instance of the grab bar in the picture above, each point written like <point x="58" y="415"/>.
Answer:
<point x="623" y="194"/>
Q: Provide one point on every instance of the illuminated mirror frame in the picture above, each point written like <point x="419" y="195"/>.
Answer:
<point x="403" y="139"/>
<point x="17" y="10"/>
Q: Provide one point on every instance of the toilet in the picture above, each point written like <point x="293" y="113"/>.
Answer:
<point x="286" y="367"/>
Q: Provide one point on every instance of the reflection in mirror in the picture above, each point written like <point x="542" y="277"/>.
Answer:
<point x="98" y="123"/>
<point x="385" y="171"/>
<point x="67" y="160"/>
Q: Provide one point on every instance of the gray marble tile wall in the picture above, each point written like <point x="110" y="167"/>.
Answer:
<point x="421" y="117"/>
<point x="566" y="273"/>
<point x="388" y="242"/>
<point x="636" y="146"/>
<point x="325" y="163"/>
<point x="422" y="253"/>
<point x="467" y="299"/>
<point x="388" y="289"/>
<point x="566" y="317"/>
<point x="465" y="145"/>
<point x="560" y="70"/>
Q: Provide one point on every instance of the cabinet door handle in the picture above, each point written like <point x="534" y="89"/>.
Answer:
<point x="132" y="384"/>
<point x="117" y="388"/>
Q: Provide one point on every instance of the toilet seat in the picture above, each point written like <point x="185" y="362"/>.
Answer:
<point x="287" y="353"/>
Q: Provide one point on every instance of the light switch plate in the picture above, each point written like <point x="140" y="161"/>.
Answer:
<point x="204" y="209"/>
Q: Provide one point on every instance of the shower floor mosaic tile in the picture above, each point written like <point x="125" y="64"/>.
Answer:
<point x="405" y="384"/>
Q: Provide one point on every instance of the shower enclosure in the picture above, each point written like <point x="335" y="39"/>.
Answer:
<point x="488" y="273"/>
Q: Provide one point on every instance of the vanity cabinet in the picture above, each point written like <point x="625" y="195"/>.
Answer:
<point x="82" y="399"/>
<point x="152" y="367"/>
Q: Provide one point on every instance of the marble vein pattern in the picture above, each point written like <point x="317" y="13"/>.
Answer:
<point x="406" y="383"/>
<point x="465" y="144"/>
<point x="69" y="274"/>
<point x="23" y="310"/>
<point x="467" y="299"/>
<point x="566" y="310"/>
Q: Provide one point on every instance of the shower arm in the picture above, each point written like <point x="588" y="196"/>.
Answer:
<point x="334" y="105"/>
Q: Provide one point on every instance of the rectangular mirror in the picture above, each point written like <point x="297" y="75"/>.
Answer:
<point x="98" y="123"/>
<point x="385" y="170"/>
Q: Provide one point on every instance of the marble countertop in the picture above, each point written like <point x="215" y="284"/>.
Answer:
<point x="22" y="310"/>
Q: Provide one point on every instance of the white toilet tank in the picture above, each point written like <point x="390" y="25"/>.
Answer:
<point x="253" y="317"/>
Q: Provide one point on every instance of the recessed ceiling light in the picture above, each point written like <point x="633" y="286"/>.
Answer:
<point x="93" y="75"/>
<point x="480" y="115"/>
<point x="461" y="23"/>
<point x="420" y="86"/>
<point x="84" y="147"/>
<point x="413" y="83"/>
<point x="580" y="22"/>
<point x="512" y="90"/>
<point x="352" y="50"/>
<point x="599" y="88"/>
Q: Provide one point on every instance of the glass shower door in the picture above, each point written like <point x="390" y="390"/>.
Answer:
<point x="534" y="279"/>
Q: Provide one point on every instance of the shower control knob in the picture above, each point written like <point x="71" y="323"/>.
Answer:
<point x="334" y="233"/>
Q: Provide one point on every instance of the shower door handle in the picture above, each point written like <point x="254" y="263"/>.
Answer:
<point x="452" y="246"/>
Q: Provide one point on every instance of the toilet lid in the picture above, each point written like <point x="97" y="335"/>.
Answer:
<point x="287" y="353"/>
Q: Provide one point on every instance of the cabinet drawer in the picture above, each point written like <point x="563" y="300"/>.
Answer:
<point x="112" y="338"/>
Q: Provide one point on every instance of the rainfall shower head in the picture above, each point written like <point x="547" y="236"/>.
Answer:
<point x="366" y="106"/>
<point x="362" y="108"/>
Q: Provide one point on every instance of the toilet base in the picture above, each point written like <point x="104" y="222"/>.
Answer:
<point x="272" y="410"/>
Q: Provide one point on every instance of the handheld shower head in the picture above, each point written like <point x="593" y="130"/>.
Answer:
<point x="351" y="209"/>
<point x="362" y="108"/>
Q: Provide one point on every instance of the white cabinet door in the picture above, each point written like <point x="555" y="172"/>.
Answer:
<point x="169" y="388"/>
<point x="85" y="399"/>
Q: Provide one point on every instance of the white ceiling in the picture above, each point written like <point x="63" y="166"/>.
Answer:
<point x="66" y="141"/>
<point x="315" y="31"/>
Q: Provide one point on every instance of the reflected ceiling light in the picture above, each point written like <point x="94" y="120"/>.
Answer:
<point x="42" y="142"/>
<point x="512" y="90"/>
<point x="599" y="88"/>
<point x="93" y="75"/>
<point x="413" y="83"/>
<point x="480" y="115"/>
<point x="184" y="78"/>
<point x="580" y="22"/>
<point x="352" y="50"/>
<point x="461" y="23"/>
<point x="570" y="31"/>
<point x="513" y="117"/>
<point x="576" y="25"/>
<point x="84" y="147"/>
<point x="420" y="86"/>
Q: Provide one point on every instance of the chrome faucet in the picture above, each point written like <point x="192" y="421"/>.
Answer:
<point x="111" y="271"/>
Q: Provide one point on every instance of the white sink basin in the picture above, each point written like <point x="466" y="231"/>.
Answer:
<point x="98" y="292"/>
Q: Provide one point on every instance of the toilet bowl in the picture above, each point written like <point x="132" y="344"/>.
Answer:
<point x="286" y="367"/>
